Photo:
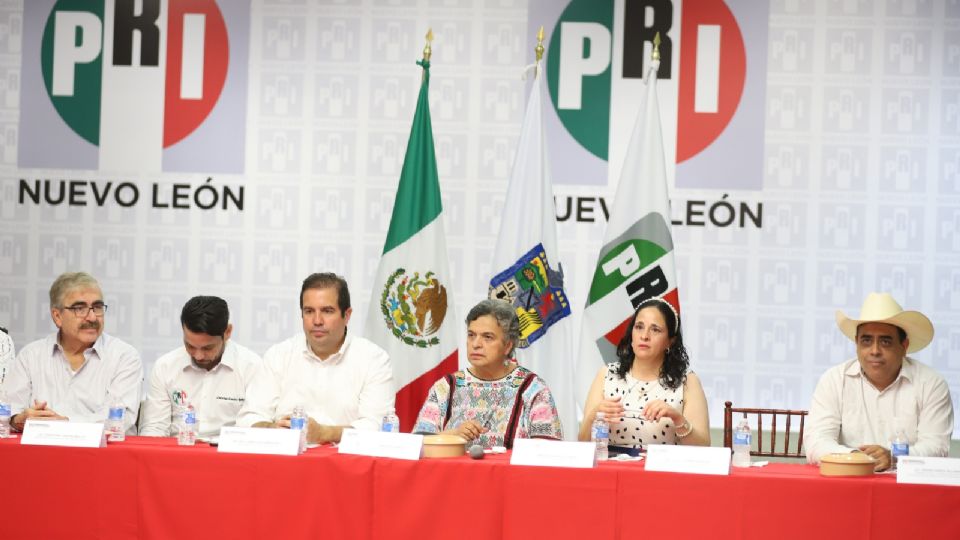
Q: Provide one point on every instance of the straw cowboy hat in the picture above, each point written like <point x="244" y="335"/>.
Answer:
<point x="882" y="308"/>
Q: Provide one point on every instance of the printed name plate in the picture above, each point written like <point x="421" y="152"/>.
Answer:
<point x="546" y="453"/>
<point x="237" y="440"/>
<point x="688" y="459"/>
<point x="929" y="470"/>
<point x="380" y="444"/>
<point x="62" y="433"/>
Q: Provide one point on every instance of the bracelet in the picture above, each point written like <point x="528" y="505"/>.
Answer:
<point x="686" y="426"/>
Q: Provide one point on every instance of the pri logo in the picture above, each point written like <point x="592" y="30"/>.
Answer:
<point x="128" y="85"/>
<point x="597" y="53"/>
<point x="414" y="307"/>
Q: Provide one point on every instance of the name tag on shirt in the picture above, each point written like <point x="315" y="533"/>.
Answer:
<point x="928" y="470"/>
<point x="380" y="444"/>
<point x="238" y="440"/>
<point x="548" y="453"/>
<point x="62" y="433"/>
<point x="688" y="459"/>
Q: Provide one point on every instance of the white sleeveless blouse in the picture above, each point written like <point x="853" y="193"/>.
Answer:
<point x="632" y="430"/>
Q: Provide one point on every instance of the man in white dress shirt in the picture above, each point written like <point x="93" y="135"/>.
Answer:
<point x="210" y="372"/>
<point x="75" y="372"/>
<point x="341" y="380"/>
<point x="860" y="404"/>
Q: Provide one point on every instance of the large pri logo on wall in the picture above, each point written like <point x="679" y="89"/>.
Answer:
<point x="714" y="50"/>
<point x="134" y="85"/>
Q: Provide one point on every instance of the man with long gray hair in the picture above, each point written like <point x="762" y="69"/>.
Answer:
<point x="76" y="372"/>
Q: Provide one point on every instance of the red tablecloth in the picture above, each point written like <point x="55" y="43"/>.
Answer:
<point x="151" y="488"/>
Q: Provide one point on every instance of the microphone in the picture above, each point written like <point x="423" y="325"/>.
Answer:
<point x="476" y="451"/>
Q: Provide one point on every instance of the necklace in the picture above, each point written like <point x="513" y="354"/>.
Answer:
<point x="636" y="381"/>
<point x="640" y="399"/>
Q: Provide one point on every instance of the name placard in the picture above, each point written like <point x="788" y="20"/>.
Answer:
<point x="547" y="453"/>
<point x="380" y="444"/>
<point x="62" y="433"/>
<point x="238" y="440"/>
<point x="688" y="459"/>
<point x="928" y="470"/>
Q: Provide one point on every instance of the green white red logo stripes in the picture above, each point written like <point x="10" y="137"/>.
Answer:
<point x="131" y="83"/>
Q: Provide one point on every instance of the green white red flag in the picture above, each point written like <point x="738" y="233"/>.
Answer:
<point x="636" y="258"/>
<point x="411" y="311"/>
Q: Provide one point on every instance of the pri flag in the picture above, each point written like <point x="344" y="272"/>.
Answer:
<point x="636" y="259"/>
<point x="410" y="314"/>
<point x="530" y="275"/>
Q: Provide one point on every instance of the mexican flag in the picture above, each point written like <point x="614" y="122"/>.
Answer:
<point x="636" y="258"/>
<point x="411" y="307"/>
<point x="526" y="263"/>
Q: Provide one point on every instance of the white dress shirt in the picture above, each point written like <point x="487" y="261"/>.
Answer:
<point x="7" y="354"/>
<point x="217" y="395"/>
<point x="353" y="387"/>
<point x="42" y="372"/>
<point x="848" y="411"/>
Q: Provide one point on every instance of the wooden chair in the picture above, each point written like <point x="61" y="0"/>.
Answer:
<point x="771" y="449"/>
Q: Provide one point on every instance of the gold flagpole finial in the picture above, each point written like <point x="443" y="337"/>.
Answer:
<point x="427" y="51"/>
<point x="539" y="47"/>
<point x="656" y="47"/>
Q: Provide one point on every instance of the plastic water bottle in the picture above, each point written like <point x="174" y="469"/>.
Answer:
<point x="899" y="445"/>
<point x="600" y="435"/>
<point x="298" y="420"/>
<point x="187" y="434"/>
<point x="114" y="424"/>
<point x="741" y="444"/>
<point x="4" y="416"/>
<point x="390" y="422"/>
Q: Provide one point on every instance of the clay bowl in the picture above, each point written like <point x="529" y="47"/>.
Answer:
<point x="441" y="446"/>
<point x="852" y="464"/>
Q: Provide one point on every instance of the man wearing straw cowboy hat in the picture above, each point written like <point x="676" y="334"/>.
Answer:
<point x="859" y="404"/>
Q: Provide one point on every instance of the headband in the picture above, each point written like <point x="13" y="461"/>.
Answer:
<point x="676" y="316"/>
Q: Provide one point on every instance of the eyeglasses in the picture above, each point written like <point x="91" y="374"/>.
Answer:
<point x="82" y="311"/>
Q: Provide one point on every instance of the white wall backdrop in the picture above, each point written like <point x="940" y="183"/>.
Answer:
<point x="860" y="178"/>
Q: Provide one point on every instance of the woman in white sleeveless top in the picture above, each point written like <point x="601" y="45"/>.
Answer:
<point x="649" y="396"/>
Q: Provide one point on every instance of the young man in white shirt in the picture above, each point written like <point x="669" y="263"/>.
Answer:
<point x="860" y="404"/>
<point x="210" y="372"/>
<point x="75" y="372"/>
<point x="340" y="380"/>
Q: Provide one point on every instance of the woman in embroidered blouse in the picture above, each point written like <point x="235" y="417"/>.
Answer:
<point x="494" y="400"/>
<point x="650" y="396"/>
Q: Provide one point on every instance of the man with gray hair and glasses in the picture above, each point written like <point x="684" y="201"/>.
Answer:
<point x="77" y="371"/>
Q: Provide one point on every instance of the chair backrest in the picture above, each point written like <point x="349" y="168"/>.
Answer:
<point x="774" y="417"/>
